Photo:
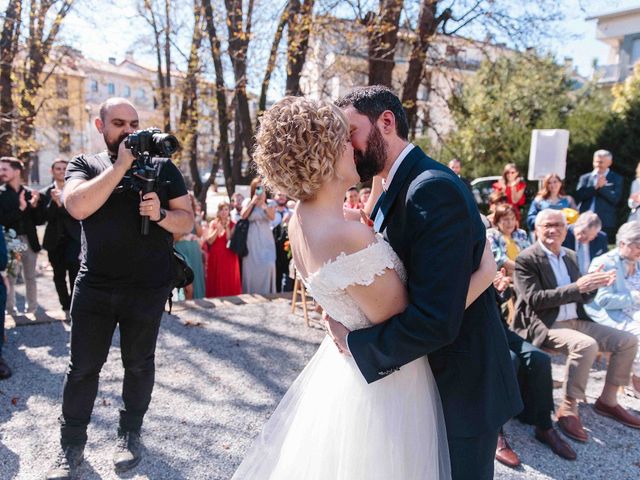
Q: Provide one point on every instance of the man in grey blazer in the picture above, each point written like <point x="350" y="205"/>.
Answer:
<point x="549" y="313"/>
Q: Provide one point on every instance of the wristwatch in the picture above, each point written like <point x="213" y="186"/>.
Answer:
<point x="163" y="215"/>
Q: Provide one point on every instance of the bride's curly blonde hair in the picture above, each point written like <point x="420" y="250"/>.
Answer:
<point x="298" y="144"/>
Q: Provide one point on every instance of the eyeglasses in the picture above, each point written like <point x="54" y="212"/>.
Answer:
<point x="547" y="226"/>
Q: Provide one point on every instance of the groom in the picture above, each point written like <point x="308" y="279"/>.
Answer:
<point x="430" y="219"/>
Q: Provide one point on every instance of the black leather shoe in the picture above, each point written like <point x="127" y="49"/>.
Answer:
<point x="128" y="450"/>
<point x="5" y="371"/>
<point x="66" y="464"/>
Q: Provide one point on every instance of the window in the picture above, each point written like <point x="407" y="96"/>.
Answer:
<point x="62" y="87"/>
<point x="141" y="94"/>
<point x="111" y="88"/>
<point x="94" y="86"/>
<point x="635" y="51"/>
<point x="64" y="142"/>
<point x="63" y="119"/>
<point x="127" y="91"/>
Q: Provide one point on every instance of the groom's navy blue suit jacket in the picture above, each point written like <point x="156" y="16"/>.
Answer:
<point x="432" y="222"/>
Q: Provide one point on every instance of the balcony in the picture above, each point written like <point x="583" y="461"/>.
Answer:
<point x="610" y="74"/>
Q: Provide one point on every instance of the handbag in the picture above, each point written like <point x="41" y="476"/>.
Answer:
<point x="238" y="241"/>
<point x="183" y="274"/>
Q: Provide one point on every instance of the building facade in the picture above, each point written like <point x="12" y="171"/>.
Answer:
<point x="337" y="62"/>
<point x="621" y="32"/>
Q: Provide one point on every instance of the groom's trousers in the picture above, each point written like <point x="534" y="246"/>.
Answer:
<point x="472" y="457"/>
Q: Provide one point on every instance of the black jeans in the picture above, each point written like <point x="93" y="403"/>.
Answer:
<point x="94" y="315"/>
<point x="62" y="264"/>
<point x="533" y="367"/>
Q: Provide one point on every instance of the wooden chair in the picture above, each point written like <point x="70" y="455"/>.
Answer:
<point x="299" y="289"/>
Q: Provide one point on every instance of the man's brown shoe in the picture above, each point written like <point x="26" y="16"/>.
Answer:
<point x="504" y="453"/>
<point x="556" y="443"/>
<point x="617" y="413"/>
<point x="571" y="426"/>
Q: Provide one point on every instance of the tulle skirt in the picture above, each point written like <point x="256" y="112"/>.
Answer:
<point x="332" y="425"/>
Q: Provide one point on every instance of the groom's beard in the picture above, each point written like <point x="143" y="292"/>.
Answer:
<point x="371" y="162"/>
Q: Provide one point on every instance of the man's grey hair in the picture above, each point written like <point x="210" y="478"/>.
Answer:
<point x="454" y="160"/>
<point x="629" y="233"/>
<point x="603" y="153"/>
<point x="547" y="212"/>
<point x="587" y="221"/>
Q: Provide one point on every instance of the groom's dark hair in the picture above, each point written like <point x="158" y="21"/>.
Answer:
<point x="372" y="101"/>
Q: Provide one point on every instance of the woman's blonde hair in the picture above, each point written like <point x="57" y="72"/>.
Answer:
<point x="298" y="144"/>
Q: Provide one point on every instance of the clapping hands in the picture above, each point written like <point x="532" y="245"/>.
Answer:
<point x="596" y="279"/>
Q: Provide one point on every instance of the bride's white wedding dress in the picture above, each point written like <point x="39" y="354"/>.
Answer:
<point x="331" y="424"/>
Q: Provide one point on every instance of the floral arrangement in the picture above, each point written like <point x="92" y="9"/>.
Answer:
<point x="15" y="247"/>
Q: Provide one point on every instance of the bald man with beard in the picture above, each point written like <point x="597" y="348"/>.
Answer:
<point x="124" y="280"/>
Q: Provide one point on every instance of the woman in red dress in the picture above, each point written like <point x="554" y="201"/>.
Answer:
<point x="223" y="268"/>
<point x="513" y="186"/>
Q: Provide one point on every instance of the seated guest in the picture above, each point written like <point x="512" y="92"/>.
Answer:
<point x="495" y="199"/>
<point x="550" y="294"/>
<point x="533" y="367"/>
<point x="618" y="305"/>
<point x="551" y="195"/>
<point x="506" y="239"/>
<point x="586" y="239"/>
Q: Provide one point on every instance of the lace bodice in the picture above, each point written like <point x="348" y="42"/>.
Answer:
<point x="328" y="284"/>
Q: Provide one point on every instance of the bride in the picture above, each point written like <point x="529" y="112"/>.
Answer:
<point x="331" y="424"/>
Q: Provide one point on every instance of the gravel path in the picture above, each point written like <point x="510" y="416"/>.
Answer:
<point x="220" y="373"/>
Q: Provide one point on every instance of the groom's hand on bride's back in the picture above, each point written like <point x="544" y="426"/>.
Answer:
<point x="337" y="332"/>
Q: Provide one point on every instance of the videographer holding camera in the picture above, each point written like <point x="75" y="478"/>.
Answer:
<point x="125" y="276"/>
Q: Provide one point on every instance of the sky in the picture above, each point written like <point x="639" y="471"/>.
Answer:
<point x="124" y="28"/>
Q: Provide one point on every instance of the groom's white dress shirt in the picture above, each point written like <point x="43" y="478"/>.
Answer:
<point x="396" y="165"/>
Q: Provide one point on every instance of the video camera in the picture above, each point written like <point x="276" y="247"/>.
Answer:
<point x="147" y="145"/>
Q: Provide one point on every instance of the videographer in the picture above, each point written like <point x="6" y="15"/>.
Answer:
<point x="124" y="279"/>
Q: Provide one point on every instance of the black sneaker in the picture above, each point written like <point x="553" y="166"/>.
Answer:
<point x="66" y="464"/>
<point x="5" y="371"/>
<point x="128" y="450"/>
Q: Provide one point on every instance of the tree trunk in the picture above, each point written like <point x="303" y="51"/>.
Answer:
<point x="166" y="107"/>
<point x="39" y="45"/>
<point x="271" y="63"/>
<point x="8" y="49"/>
<point x="189" y="116"/>
<point x="382" y="30"/>
<point x="300" y="22"/>
<point x="239" y="36"/>
<point x="222" y="151"/>
<point x="427" y="26"/>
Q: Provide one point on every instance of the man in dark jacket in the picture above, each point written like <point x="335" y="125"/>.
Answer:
<point x="431" y="220"/>
<point x="550" y="296"/>
<point x="61" y="237"/>
<point x="601" y="191"/>
<point x="21" y="210"/>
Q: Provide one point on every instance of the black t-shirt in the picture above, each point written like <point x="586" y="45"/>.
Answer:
<point x="114" y="252"/>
